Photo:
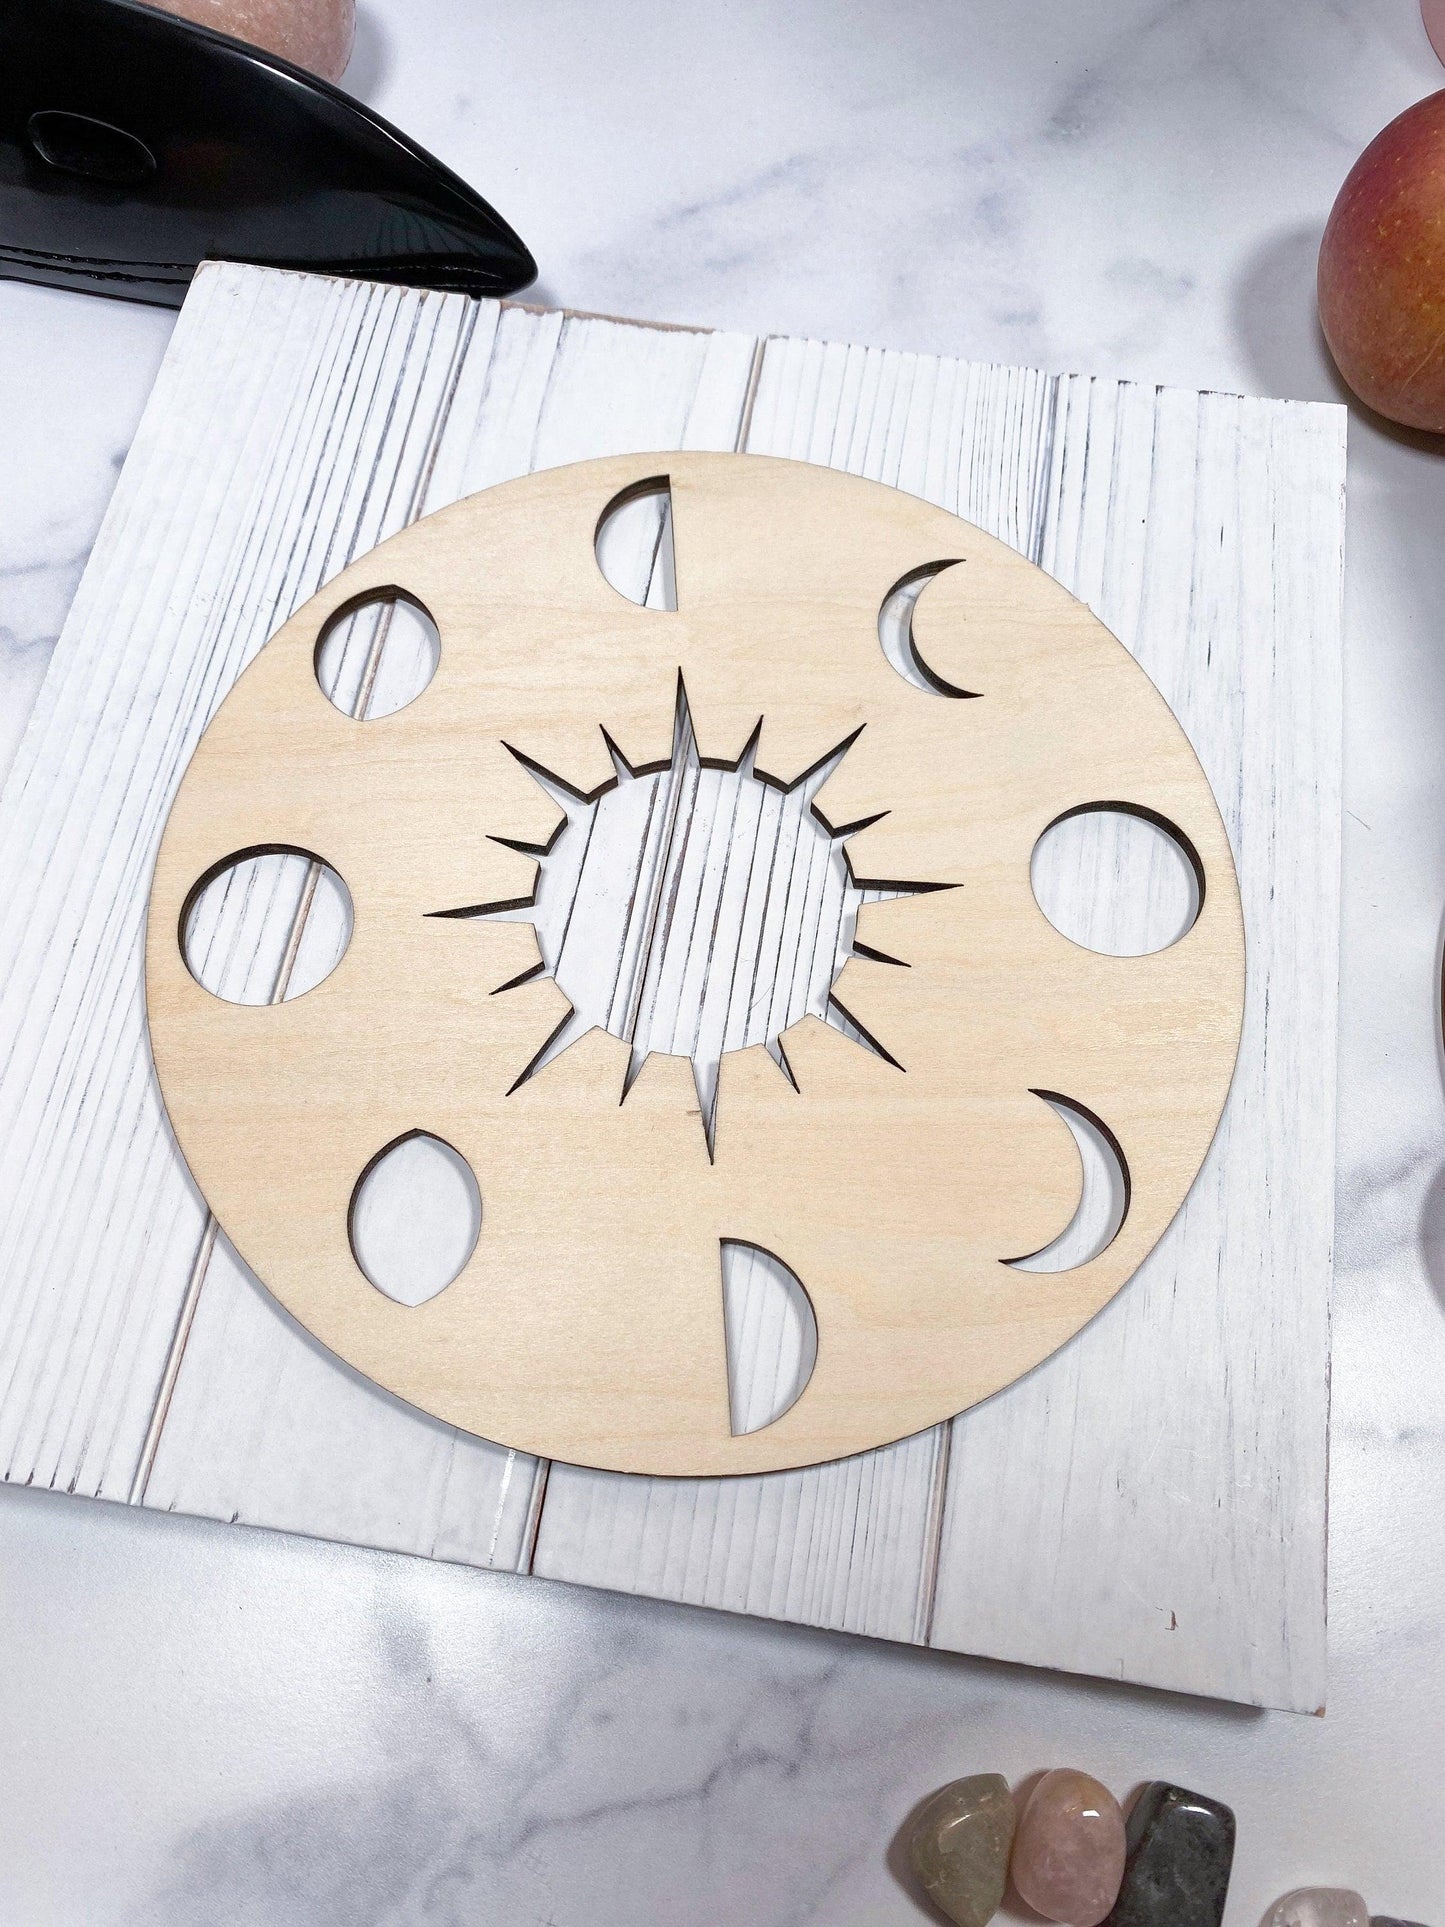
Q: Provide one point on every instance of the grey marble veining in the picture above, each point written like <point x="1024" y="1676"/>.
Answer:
<point x="204" y="1725"/>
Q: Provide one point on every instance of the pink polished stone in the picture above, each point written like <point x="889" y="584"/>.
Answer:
<point x="1434" y="12"/>
<point x="1068" y="1857"/>
<point x="314" y="34"/>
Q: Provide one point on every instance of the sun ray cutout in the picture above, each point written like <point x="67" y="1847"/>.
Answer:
<point x="653" y="944"/>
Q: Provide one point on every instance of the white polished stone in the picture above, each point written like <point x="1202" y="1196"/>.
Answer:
<point x="1318" y="1907"/>
<point x="210" y="1725"/>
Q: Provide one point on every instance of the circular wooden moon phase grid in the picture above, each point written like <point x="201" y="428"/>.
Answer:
<point x="588" y="1323"/>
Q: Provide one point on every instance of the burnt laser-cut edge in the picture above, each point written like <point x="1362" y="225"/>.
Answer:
<point x="928" y="679"/>
<point x="1060" y="1102"/>
<point x="232" y="862"/>
<point x="371" y="1164"/>
<point x="387" y="595"/>
<point x="747" y="1244"/>
<point x="1160" y="822"/>
<point x="635" y="492"/>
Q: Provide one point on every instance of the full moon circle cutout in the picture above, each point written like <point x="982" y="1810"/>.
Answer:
<point x="891" y="1132"/>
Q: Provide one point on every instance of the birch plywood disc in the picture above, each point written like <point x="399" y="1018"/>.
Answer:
<point x="896" y="1150"/>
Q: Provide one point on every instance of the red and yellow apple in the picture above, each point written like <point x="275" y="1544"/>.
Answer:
<point x="1382" y="270"/>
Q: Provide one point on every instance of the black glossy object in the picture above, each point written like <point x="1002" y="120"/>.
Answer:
<point x="1181" y="1851"/>
<point x="134" y="145"/>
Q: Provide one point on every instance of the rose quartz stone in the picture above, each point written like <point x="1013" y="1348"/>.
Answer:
<point x="314" y="34"/>
<point x="1434" y="12"/>
<point x="1068" y="1857"/>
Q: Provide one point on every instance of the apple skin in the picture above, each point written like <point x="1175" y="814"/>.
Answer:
<point x="1382" y="271"/>
<point x="314" y="34"/>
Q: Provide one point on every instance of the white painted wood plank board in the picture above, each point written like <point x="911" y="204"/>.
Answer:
<point x="1169" y="1466"/>
<point x="852" y="1545"/>
<point x="263" y="1426"/>
<point x="99" y="1229"/>
<point x="837" y="1545"/>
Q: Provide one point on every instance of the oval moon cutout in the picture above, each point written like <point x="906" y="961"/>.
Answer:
<point x="772" y="1336"/>
<point x="1114" y="880"/>
<point x="634" y="544"/>
<point x="1103" y="1196"/>
<point x="416" y="1215"/>
<point x="266" y="926"/>
<point x="378" y="655"/>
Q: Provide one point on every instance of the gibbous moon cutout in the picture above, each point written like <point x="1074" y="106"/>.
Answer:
<point x="416" y="1215"/>
<point x="904" y="693"/>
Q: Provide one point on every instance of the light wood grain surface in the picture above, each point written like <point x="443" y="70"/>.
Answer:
<point x="1149" y="1504"/>
<point x="588" y="1323"/>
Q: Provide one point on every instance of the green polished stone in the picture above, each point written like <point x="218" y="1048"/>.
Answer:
<point x="959" y="1845"/>
<point x="1180" y="1851"/>
<point x="1389" y="1920"/>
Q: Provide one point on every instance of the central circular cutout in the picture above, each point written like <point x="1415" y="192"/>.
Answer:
<point x="695" y="909"/>
<point x="701" y="922"/>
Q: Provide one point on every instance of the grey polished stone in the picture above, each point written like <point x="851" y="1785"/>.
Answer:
<point x="959" y="1845"/>
<point x="1180" y="1851"/>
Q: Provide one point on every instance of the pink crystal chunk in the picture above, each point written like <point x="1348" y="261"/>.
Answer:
<point x="1434" y="12"/>
<point x="1068" y="1856"/>
<point x="314" y="34"/>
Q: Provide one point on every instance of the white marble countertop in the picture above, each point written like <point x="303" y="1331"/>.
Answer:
<point x="205" y="1725"/>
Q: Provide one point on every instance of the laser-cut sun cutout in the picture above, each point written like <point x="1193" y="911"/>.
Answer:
<point x="674" y="937"/>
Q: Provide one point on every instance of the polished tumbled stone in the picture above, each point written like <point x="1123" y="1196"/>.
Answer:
<point x="1181" y="1849"/>
<point x="1389" y="1920"/>
<point x="959" y="1845"/>
<point x="1318" y="1907"/>
<point x="1068" y="1858"/>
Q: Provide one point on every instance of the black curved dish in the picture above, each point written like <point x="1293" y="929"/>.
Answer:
<point x="134" y="145"/>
